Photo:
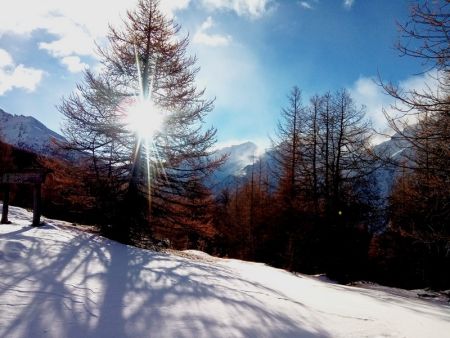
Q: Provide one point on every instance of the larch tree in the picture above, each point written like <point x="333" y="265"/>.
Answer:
<point x="288" y="145"/>
<point x="95" y="129"/>
<point x="420" y="201"/>
<point x="324" y="172"/>
<point x="347" y="141"/>
<point x="143" y="116"/>
<point x="334" y="153"/>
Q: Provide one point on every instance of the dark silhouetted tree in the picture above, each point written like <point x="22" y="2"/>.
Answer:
<point x="420" y="198"/>
<point x="421" y="119"/>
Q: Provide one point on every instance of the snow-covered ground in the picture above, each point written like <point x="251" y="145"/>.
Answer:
<point x="56" y="281"/>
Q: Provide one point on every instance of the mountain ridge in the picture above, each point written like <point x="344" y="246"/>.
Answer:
<point x="28" y="133"/>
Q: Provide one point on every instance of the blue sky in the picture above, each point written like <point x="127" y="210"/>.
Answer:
<point x="251" y="53"/>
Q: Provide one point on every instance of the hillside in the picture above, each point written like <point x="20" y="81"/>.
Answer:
<point x="56" y="281"/>
<point x="28" y="133"/>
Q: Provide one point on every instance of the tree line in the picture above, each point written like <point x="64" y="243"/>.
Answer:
<point x="318" y="215"/>
<point x="324" y="213"/>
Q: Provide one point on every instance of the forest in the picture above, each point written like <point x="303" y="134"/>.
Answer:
<point x="313" y="206"/>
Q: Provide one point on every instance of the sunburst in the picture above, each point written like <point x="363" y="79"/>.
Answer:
<point x="146" y="120"/>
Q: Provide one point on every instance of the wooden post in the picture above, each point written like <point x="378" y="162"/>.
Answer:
<point x="5" y="205"/>
<point x="37" y="205"/>
<point x="35" y="178"/>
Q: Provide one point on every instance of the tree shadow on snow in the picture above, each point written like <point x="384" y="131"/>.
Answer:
<point x="57" y="282"/>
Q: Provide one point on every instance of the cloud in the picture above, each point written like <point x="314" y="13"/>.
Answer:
<point x="5" y="58"/>
<point x="243" y="92"/>
<point x="74" y="64"/>
<point x="366" y="91"/>
<point x="74" y="25"/>
<point x="12" y="76"/>
<point x="348" y="3"/>
<point x="170" y="7"/>
<point x="305" y="5"/>
<point x="71" y="39"/>
<point x="250" y="8"/>
<point x="202" y="37"/>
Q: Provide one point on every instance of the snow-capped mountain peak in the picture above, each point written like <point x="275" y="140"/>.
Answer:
<point x="239" y="156"/>
<point x="27" y="133"/>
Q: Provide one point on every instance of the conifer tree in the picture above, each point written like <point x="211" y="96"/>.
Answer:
<point x="146" y="70"/>
<point x="420" y="198"/>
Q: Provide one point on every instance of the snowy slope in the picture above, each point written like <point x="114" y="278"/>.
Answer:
<point x="56" y="281"/>
<point x="28" y="133"/>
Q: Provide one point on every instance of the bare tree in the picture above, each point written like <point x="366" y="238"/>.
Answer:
<point x="421" y="117"/>
<point x="425" y="35"/>
<point x="335" y="151"/>
<point x="420" y="201"/>
<point x="288" y="146"/>
<point x="350" y="136"/>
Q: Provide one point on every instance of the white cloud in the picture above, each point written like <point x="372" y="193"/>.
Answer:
<point x="73" y="40"/>
<point x="12" y="76"/>
<point x="305" y="5"/>
<point x="243" y="92"/>
<point x="5" y="58"/>
<point x="250" y="8"/>
<point x="75" y="25"/>
<point x="171" y="6"/>
<point x="348" y="3"/>
<point x="202" y="37"/>
<point x="366" y="91"/>
<point x="74" y="64"/>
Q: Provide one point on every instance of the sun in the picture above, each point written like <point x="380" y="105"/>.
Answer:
<point x="145" y="119"/>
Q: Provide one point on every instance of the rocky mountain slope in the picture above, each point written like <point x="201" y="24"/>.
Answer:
<point x="27" y="133"/>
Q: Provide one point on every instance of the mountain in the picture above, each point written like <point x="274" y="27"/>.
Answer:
<point x="233" y="171"/>
<point x="58" y="281"/>
<point x="239" y="157"/>
<point x="396" y="150"/>
<point x="242" y="162"/>
<point x="27" y="133"/>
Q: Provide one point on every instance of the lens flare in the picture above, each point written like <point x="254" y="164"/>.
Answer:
<point x="144" y="119"/>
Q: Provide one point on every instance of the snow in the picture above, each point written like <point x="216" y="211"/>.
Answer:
<point x="238" y="158"/>
<point x="27" y="133"/>
<point x="57" y="281"/>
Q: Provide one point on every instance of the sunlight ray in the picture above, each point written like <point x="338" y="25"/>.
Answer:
<point x="146" y="120"/>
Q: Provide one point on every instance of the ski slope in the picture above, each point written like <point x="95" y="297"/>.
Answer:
<point x="56" y="281"/>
